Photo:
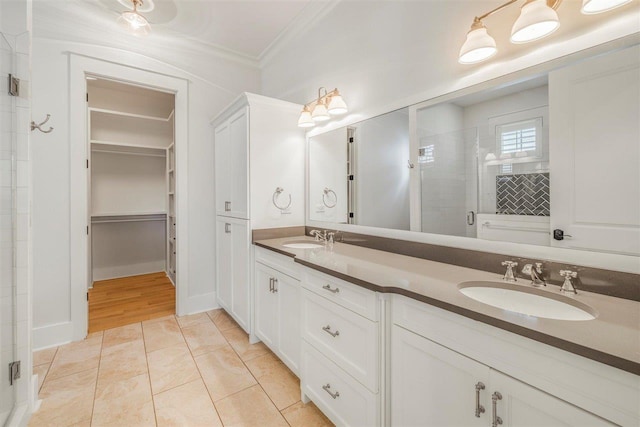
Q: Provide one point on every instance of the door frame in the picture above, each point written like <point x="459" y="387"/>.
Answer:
<point x="79" y="67"/>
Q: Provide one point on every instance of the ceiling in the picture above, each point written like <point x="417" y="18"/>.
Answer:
<point x="243" y="27"/>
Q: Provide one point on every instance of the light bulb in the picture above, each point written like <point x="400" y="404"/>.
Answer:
<point x="133" y="22"/>
<point x="536" y="20"/>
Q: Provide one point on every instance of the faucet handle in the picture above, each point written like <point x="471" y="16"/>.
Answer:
<point x="510" y="263"/>
<point x="567" y="286"/>
<point x="539" y="267"/>
<point x="567" y="274"/>
<point x="509" y="276"/>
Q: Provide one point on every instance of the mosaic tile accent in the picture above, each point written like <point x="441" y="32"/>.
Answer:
<point x="523" y="194"/>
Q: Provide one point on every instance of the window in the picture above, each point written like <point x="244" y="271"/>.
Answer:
<point x="425" y="154"/>
<point x="520" y="139"/>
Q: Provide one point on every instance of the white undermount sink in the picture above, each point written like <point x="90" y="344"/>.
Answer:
<point x="301" y="244"/>
<point x="527" y="300"/>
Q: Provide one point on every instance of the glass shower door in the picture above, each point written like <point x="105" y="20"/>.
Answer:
<point x="7" y="230"/>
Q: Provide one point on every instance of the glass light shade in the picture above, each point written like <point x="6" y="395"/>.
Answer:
<point x="134" y="23"/>
<point x="591" y="7"/>
<point x="320" y="113"/>
<point x="478" y="46"/>
<point x="337" y="105"/>
<point x="305" y="120"/>
<point x="536" y="20"/>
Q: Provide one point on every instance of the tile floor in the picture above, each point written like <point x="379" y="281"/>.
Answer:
<point x="197" y="370"/>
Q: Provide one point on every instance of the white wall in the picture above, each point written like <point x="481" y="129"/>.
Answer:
<point x="382" y="175"/>
<point x="208" y="94"/>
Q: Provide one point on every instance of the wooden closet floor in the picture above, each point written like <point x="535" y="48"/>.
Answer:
<point x="119" y="302"/>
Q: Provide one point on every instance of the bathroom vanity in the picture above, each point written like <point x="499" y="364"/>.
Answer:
<point x="387" y="339"/>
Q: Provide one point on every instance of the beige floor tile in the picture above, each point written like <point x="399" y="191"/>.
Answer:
<point x="280" y="384"/>
<point x="161" y="334"/>
<point x="193" y="319"/>
<point x="203" y="338"/>
<point x="158" y="319"/>
<point x="76" y="357"/>
<point x="222" y="320"/>
<point x="301" y="415"/>
<point x="239" y="340"/>
<point x="170" y="367"/>
<point x="67" y="400"/>
<point x="122" y="335"/>
<point x="223" y="373"/>
<point x="250" y="408"/>
<point x="186" y="405"/>
<point x="122" y="361"/>
<point x="124" y="403"/>
<point x="44" y="357"/>
<point x="41" y="372"/>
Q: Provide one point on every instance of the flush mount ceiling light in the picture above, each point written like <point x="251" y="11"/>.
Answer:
<point x="321" y="109"/>
<point x="133" y="22"/>
<point x="537" y="19"/>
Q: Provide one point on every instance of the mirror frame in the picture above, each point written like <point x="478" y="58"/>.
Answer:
<point x="604" y="260"/>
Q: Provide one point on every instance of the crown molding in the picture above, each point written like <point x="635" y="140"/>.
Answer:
<point x="307" y="18"/>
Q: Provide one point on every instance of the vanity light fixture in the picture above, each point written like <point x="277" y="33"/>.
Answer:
<point x="133" y="21"/>
<point x="537" y="19"/>
<point x="321" y="109"/>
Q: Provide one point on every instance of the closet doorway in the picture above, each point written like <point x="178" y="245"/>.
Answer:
<point x="132" y="203"/>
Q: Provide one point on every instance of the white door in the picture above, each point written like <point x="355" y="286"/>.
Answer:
<point x="240" y="262"/>
<point x="224" y="277"/>
<point x="290" y="336"/>
<point x="239" y="163"/>
<point x="266" y="306"/>
<point x="222" y="170"/>
<point x="432" y="385"/>
<point x="595" y="169"/>
<point x="524" y="406"/>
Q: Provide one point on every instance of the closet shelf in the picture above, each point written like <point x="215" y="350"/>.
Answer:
<point x="125" y="214"/>
<point x="132" y="115"/>
<point x="124" y="148"/>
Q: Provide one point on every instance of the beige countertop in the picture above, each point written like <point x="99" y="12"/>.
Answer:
<point x="613" y="337"/>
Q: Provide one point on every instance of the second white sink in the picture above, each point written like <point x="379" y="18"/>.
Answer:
<point x="529" y="301"/>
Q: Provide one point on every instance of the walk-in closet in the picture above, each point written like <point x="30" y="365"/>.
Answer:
<point x="132" y="194"/>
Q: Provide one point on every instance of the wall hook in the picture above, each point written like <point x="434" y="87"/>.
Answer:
<point x="35" y="126"/>
<point x="410" y="165"/>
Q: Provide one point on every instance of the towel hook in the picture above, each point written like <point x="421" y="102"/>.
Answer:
<point x="274" y="199"/>
<point x="35" y="126"/>
<point x="326" y="192"/>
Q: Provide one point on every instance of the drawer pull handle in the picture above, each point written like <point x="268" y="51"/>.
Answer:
<point x="275" y="285"/>
<point x="328" y="287"/>
<point x="479" y="407"/>
<point x="327" y="388"/>
<point x="271" y="284"/>
<point x="494" y="406"/>
<point x="327" y="329"/>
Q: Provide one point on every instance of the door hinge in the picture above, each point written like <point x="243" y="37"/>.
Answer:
<point x="87" y="163"/>
<point x="350" y="214"/>
<point x="87" y="296"/>
<point x="14" y="372"/>
<point x="87" y="96"/>
<point x="351" y="177"/>
<point x="351" y="139"/>
<point x="87" y="230"/>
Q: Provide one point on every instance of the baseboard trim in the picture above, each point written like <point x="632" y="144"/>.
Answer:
<point x="52" y="335"/>
<point x="200" y="303"/>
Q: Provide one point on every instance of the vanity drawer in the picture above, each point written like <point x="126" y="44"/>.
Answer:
<point x="345" y="337"/>
<point x="353" y="297"/>
<point x="281" y="263"/>
<point x="341" y="398"/>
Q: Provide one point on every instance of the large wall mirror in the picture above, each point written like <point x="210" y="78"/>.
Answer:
<point x="552" y="159"/>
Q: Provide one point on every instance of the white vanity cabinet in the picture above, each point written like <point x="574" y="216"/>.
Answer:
<point x="277" y="306"/>
<point x="259" y="162"/>
<point x="341" y="349"/>
<point x="440" y="361"/>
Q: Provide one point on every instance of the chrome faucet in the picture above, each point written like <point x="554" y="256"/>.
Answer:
<point x="535" y="272"/>
<point x="567" y="286"/>
<point x="509" y="276"/>
<point x="321" y="236"/>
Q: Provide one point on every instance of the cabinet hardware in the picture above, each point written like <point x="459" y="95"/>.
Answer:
<point x="327" y="329"/>
<point x="494" y="407"/>
<point x="275" y="285"/>
<point x="328" y="287"/>
<point x="479" y="407"/>
<point x="327" y="388"/>
<point x="270" y="284"/>
<point x="227" y="228"/>
<point x="227" y="206"/>
<point x="14" y="372"/>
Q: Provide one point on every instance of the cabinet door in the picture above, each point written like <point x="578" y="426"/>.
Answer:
<point x="432" y="385"/>
<point x="290" y="339"/>
<point x="224" y="277"/>
<point x="595" y="169"/>
<point x="222" y="170"/>
<point x="240" y="264"/>
<point x="523" y="405"/>
<point x="239" y="163"/>
<point x="266" y="306"/>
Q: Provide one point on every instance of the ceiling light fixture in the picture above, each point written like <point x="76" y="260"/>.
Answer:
<point x="133" y="22"/>
<point x="537" y="19"/>
<point x="321" y="109"/>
